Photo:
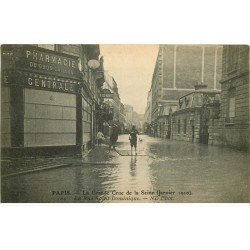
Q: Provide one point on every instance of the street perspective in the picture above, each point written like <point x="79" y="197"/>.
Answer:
<point x="93" y="123"/>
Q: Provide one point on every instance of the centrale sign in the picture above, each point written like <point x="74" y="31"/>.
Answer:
<point x="53" y="84"/>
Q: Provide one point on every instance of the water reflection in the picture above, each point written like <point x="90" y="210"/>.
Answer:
<point x="212" y="174"/>
<point x="133" y="161"/>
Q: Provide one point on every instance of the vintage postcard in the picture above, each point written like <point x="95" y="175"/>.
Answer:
<point x="93" y="123"/>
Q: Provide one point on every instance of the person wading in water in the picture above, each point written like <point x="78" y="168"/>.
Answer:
<point x="113" y="136"/>
<point x="133" y="138"/>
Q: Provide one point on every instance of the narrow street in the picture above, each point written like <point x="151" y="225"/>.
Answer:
<point x="162" y="171"/>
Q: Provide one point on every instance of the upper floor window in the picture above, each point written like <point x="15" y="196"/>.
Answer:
<point x="231" y="102"/>
<point x="232" y="58"/>
<point x="47" y="46"/>
<point x="185" y="126"/>
<point x="179" y="126"/>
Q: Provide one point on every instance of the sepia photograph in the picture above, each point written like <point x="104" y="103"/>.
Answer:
<point x="124" y="123"/>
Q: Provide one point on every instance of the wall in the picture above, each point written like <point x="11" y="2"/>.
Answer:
<point x="179" y="67"/>
<point x="168" y="66"/>
<point x="192" y="117"/>
<point x="5" y="117"/>
<point x="213" y="130"/>
<point x="49" y="119"/>
<point x="182" y="65"/>
<point x="188" y="66"/>
<point x="86" y="121"/>
<point x="236" y="133"/>
<point x="235" y="74"/>
<point x="212" y="66"/>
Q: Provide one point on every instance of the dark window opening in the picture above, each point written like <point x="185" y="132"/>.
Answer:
<point x="179" y="126"/>
<point x="185" y="126"/>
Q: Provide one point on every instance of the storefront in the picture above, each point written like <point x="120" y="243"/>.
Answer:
<point x="41" y="100"/>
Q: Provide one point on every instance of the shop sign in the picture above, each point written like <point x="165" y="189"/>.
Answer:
<point x="54" y="84"/>
<point x="43" y="82"/>
<point x="39" y="60"/>
<point x="106" y="93"/>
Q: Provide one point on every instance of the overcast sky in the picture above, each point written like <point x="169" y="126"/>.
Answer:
<point x="132" y="67"/>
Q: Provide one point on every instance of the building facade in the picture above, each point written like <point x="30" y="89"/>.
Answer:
<point x="128" y="117"/>
<point x="197" y="117"/>
<point x="178" y="68"/>
<point x="113" y="102"/>
<point x="132" y="118"/>
<point x="234" y="116"/>
<point x="48" y="98"/>
<point x="147" y="114"/>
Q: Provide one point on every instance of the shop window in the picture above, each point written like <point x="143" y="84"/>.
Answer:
<point x="179" y="126"/>
<point x="185" y="126"/>
<point x="87" y="121"/>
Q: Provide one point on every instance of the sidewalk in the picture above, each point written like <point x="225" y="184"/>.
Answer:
<point x="18" y="166"/>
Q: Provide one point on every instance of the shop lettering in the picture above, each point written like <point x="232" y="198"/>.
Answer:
<point x="48" y="58"/>
<point x="50" y="68"/>
<point x="50" y="84"/>
<point x="106" y="95"/>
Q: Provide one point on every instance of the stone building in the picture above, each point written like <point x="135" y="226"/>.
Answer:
<point x="147" y="115"/>
<point x="162" y="126"/>
<point x="122" y="118"/>
<point x="177" y="69"/>
<point x="234" y="115"/>
<point x="197" y="117"/>
<point x="48" y="98"/>
<point x="128" y="117"/>
<point x="113" y="101"/>
<point x="132" y="118"/>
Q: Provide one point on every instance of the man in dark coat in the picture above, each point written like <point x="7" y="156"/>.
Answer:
<point x="113" y="136"/>
<point x="133" y="138"/>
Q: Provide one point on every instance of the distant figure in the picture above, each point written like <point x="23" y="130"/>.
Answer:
<point x="100" y="137"/>
<point x="133" y="138"/>
<point x="113" y="136"/>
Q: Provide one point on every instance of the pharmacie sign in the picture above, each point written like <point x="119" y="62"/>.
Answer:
<point x="44" y="61"/>
<point x="40" y="68"/>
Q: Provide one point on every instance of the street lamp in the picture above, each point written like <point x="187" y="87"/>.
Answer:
<point x="93" y="64"/>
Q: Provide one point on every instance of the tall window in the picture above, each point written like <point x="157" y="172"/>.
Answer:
<point x="87" y="119"/>
<point x="185" y="126"/>
<point x="232" y="58"/>
<point x="179" y="126"/>
<point x="231" y="103"/>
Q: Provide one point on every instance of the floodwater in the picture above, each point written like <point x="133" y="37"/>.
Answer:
<point x="162" y="171"/>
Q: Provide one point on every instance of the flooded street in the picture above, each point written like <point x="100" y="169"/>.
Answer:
<point x="162" y="171"/>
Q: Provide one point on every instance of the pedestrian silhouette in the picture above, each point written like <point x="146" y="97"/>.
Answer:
<point x="113" y="136"/>
<point x="133" y="139"/>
